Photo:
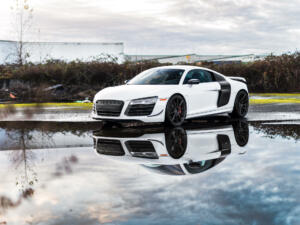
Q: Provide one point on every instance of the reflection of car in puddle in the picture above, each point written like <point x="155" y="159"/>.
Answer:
<point x="174" y="151"/>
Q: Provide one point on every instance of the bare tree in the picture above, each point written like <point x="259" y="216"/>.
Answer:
<point x="23" y="159"/>
<point x="22" y="14"/>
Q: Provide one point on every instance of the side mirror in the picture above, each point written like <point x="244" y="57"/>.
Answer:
<point x="193" y="81"/>
<point x="126" y="81"/>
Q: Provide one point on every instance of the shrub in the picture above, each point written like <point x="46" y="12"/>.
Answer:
<point x="273" y="74"/>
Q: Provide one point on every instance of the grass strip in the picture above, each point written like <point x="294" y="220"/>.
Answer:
<point x="274" y="100"/>
<point x="89" y="105"/>
<point x="48" y="104"/>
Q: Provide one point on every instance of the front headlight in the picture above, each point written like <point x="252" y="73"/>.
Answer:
<point x="144" y="101"/>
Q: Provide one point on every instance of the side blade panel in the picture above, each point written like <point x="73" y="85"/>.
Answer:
<point x="224" y="94"/>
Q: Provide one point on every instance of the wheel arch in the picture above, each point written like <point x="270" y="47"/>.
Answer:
<point x="237" y="91"/>
<point x="236" y="94"/>
<point x="173" y="94"/>
<point x="177" y="93"/>
<point x="240" y="90"/>
<point x="235" y="99"/>
<point x="244" y="89"/>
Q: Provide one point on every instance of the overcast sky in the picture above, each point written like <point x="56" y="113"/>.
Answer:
<point x="167" y="26"/>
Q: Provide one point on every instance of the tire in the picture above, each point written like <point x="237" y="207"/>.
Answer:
<point x="241" y="105"/>
<point x="241" y="132"/>
<point x="175" y="111"/>
<point x="176" y="142"/>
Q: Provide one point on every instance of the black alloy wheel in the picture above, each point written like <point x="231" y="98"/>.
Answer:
<point x="176" y="111"/>
<point x="176" y="142"/>
<point x="241" y="132"/>
<point x="241" y="105"/>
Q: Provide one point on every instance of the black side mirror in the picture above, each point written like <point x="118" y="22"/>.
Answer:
<point x="193" y="81"/>
<point x="126" y="81"/>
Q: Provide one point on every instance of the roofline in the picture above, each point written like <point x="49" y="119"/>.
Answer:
<point x="190" y="67"/>
<point x="183" y="67"/>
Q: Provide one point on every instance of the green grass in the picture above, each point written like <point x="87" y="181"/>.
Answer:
<point x="290" y="98"/>
<point x="49" y="104"/>
<point x="281" y="98"/>
<point x="274" y="100"/>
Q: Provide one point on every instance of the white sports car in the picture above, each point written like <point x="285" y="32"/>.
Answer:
<point x="172" y="94"/>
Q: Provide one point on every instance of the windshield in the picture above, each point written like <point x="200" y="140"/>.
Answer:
<point x="158" y="76"/>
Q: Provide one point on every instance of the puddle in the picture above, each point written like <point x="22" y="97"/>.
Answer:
<point x="202" y="173"/>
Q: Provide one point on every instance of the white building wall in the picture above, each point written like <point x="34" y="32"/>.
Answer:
<point x="68" y="51"/>
<point x="192" y="58"/>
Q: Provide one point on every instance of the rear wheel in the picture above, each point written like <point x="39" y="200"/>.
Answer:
<point x="241" y="132"/>
<point x="175" y="111"/>
<point x="241" y="105"/>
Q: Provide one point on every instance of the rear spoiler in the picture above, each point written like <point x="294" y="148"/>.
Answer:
<point x="240" y="79"/>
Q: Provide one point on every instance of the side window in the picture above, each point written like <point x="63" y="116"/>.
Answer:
<point x="192" y="74"/>
<point x="202" y="75"/>
<point x="206" y="77"/>
<point x="218" y="77"/>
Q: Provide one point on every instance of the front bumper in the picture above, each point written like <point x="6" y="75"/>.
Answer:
<point x="157" y="115"/>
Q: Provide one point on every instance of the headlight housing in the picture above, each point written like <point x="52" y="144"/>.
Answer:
<point x="144" y="101"/>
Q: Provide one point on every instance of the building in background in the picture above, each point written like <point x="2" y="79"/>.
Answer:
<point x="195" y="58"/>
<point x="68" y="51"/>
<point x="39" y="52"/>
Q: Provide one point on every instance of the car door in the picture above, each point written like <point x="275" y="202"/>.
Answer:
<point x="202" y="97"/>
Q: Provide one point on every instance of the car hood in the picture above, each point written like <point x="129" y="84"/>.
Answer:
<point x="129" y="92"/>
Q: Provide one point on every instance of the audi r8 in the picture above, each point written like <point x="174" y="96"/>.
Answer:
<point x="172" y="94"/>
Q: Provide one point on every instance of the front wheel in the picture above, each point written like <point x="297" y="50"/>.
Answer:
<point x="175" y="111"/>
<point x="176" y="142"/>
<point x="241" y="105"/>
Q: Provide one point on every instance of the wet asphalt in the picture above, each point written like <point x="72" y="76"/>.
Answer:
<point x="57" y="166"/>
<point x="257" y="112"/>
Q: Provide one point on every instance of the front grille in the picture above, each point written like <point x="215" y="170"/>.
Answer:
<point x="110" y="147"/>
<point x="139" y="110"/>
<point x="109" y="107"/>
<point x="140" y="146"/>
<point x="142" y="149"/>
